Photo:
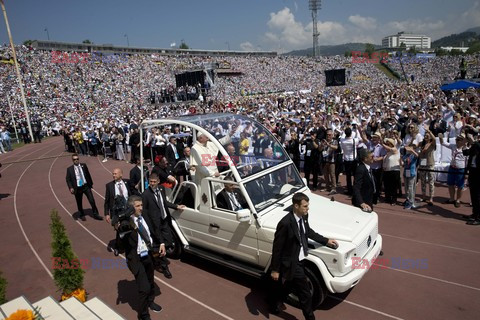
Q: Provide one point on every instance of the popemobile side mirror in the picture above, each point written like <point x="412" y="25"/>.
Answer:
<point x="243" y="215"/>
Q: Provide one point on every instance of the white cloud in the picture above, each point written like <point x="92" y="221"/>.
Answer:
<point x="247" y="46"/>
<point x="286" y="33"/>
<point x="471" y="17"/>
<point x="418" y="26"/>
<point x="366" y="23"/>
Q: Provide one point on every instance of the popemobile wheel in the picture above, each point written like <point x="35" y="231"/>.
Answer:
<point x="176" y="250"/>
<point x="317" y="289"/>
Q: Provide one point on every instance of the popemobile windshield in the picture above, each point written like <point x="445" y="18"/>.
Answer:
<point x="241" y="151"/>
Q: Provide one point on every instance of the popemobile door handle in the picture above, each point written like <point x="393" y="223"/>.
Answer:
<point x="214" y="225"/>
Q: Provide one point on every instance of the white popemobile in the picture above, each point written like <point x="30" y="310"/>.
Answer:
<point x="242" y="240"/>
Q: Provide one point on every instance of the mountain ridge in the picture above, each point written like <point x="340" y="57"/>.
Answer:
<point x="466" y="37"/>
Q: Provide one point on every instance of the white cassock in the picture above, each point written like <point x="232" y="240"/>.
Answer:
<point x="203" y="157"/>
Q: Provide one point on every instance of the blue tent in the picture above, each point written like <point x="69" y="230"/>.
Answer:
<point x="460" y="85"/>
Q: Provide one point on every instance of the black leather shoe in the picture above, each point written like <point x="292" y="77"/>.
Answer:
<point x="83" y="218"/>
<point x="155" y="307"/>
<point x="166" y="272"/>
<point x="279" y="307"/>
<point x="97" y="217"/>
<point x="473" y="222"/>
<point x="115" y="252"/>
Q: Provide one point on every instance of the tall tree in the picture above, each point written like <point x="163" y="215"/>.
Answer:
<point x="369" y="48"/>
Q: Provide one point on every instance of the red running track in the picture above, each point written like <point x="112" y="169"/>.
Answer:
<point x="33" y="184"/>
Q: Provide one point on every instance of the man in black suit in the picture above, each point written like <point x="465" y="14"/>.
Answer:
<point x="259" y="190"/>
<point x="134" y="143"/>
<point x="474" y="180"/>
<point x="164" y="172"/>
<point x="183" y="166"/>
<point x="171" y="153"/>
<point x="80" y="182"/>
<point x="141" y="245"/>
<point x="116" y="189"/>
<point x="290" y="248"/>
<point x="438" y="125"/>
<point x="136" y="176"/>
<point x="155" y="206"/>
<point x="364" y="184"/>
<point x="230" y="197"/>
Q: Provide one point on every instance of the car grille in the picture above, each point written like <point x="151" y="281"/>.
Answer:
<point x="363" y="248"/>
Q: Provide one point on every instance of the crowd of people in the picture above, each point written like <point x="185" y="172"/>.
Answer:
<point x="98" y="108"/>
<point x="375" y="130"/>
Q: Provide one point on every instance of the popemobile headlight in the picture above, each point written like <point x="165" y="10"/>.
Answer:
<point x="348" y="256"/>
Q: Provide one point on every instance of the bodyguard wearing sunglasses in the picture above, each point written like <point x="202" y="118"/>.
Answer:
<point x="80" y="182"/>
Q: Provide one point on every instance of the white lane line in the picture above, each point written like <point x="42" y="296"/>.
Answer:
<point x="349" y="302"/>
<point x="101" y="163"/>
<point x="431" y="243"/>
<point x="20" y="223"/>
<point x="101" y="241"/>
<point x="428" y="277"/>
<point x="366" y="308"/>
<point x="11" y="164"/>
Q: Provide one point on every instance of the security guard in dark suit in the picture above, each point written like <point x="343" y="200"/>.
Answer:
<point x="289" y="250"/>
<point x="141" y="245"/>
<point x="474" y="180"/>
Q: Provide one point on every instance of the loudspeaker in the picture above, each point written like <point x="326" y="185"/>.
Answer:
<point x="335" y="77"/>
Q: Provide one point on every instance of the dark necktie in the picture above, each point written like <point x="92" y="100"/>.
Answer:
<point x="303" y="239"/>
<point x="120" y="189"/>
<point x="143" y="233"/>
<point x="373" y="180"/>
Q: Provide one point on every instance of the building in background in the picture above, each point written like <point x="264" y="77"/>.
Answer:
<point x="409" y="39"/>
<point x="463" y="49"/>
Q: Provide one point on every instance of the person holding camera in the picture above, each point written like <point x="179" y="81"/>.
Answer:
<point x="141" y="246"/>
<point x="312" y="158"/>
<point x="113" y="190"/>
<point x="329" y="147"/>
<point x="156" y="206"/>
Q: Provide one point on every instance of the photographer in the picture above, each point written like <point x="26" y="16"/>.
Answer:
<point x="114" y="204"/>
<point x="141" y="246"/>
<point x="157" y="209"/>
<point x="312" y="158"/>
<point x="329" y="147"/>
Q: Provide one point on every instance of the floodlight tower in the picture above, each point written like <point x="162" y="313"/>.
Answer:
<point x="315" y="5"/>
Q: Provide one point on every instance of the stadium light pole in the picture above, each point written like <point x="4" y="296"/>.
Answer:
<point x="18" y="70"/>
<point x="128" y="42"/>
<point x="48" y="35"/>
<point x="314" y="6"/>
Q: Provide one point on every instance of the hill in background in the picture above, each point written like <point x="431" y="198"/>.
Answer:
<point x="331" y="50"/>
<point x="454" y="40"/>
<point x="464" y="39"/>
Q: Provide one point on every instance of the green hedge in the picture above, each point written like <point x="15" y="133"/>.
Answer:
<point x="66" y="279"/>
<point x="3" y="289"/>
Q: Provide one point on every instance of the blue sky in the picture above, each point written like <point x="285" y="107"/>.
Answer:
<point x="280" y="25"/>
